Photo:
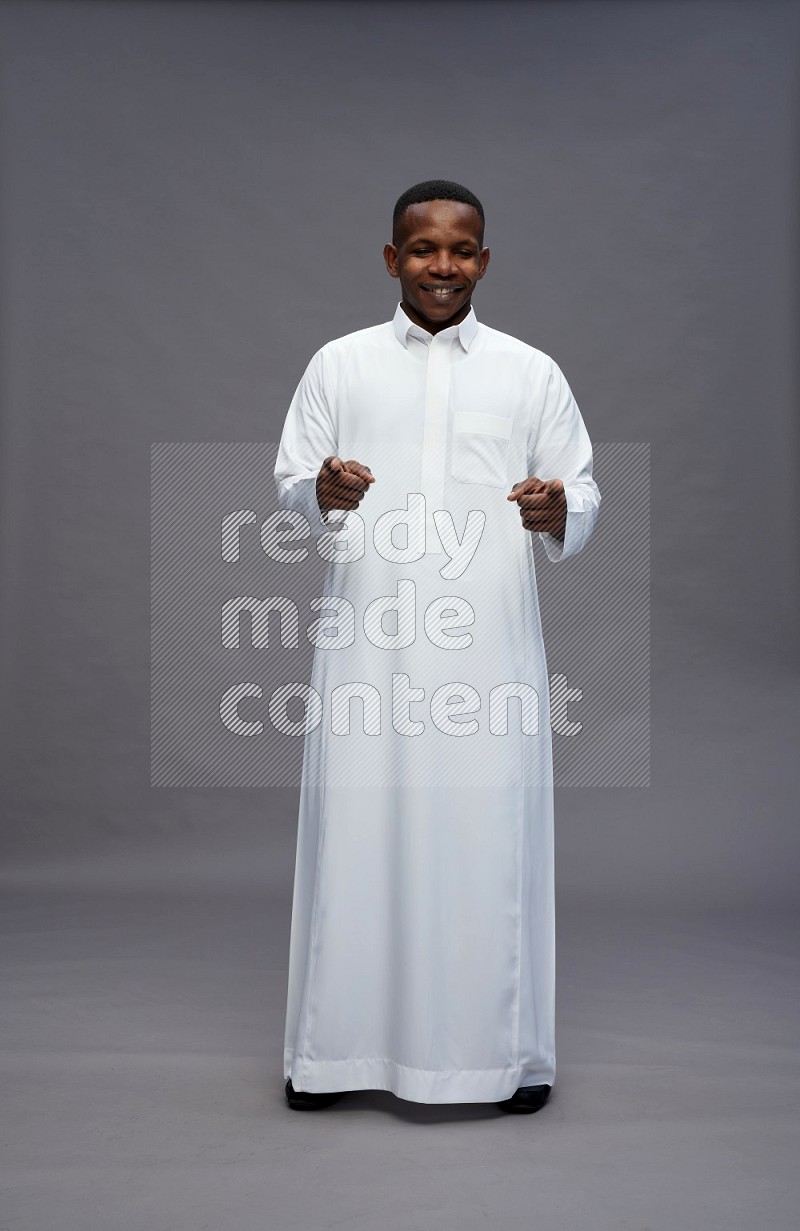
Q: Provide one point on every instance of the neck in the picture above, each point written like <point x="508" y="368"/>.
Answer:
<point x="436" y="326"/>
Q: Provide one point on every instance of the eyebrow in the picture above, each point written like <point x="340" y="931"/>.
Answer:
<point x="457" y="243"/>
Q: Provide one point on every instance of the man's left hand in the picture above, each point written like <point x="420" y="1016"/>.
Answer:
<point x="542" y="506"/>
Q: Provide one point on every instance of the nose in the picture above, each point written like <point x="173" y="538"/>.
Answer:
<point x="442" y="263"/>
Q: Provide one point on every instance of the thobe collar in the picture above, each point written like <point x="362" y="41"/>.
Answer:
<point x="465" y="331"/>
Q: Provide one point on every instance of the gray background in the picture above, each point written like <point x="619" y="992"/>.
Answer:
<point x="195" y="199"/>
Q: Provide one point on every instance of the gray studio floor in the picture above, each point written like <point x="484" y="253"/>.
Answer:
<point x="143" y="1084"/>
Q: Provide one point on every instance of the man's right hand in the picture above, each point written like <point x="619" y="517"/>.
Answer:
<point x="341" y="485"/>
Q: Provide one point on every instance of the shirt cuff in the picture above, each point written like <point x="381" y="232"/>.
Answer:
<point x="300" y="495"/>
<point x="574" y="530"/>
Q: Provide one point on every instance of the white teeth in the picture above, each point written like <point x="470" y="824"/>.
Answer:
<point x="442" y="291"/>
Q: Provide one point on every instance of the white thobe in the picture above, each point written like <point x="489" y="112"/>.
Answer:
<point x="422" y="949"/>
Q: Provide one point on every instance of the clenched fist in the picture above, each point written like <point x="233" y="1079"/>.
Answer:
<point x="542" y="505"/>
<point x="341" y="485"/>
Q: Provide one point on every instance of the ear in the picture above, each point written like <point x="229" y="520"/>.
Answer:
<point x="483" y="261"/>
<point x="390" y="257"/>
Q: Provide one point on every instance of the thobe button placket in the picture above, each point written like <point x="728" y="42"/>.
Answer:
<point x="434" y="440"/>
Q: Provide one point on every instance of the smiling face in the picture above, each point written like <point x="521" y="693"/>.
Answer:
<point x="437" y="256"/>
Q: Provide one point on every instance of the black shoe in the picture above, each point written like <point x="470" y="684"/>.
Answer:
<point x="526" y="1099"/>
<point x="307" y="1100"/>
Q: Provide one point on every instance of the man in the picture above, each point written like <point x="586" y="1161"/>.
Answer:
<point x="422" y="952"/>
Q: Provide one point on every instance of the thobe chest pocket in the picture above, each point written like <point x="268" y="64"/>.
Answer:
<point x="480" y="448"/>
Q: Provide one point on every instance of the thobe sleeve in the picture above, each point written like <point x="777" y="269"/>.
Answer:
<point x="561" y="449"/>
<point x="308" y="437"/>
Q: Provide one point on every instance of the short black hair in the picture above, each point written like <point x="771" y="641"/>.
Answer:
<point x="435" y="190"/>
